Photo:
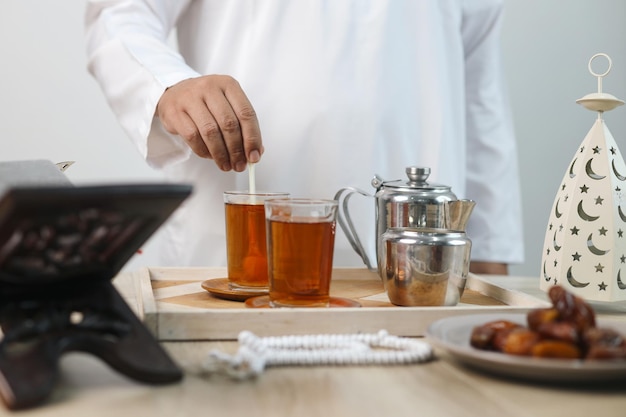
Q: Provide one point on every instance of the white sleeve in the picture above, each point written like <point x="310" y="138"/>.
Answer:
<point x="129" y="56"/>
<point x="493" y="178"/>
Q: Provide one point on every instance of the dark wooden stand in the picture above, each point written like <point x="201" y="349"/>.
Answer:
<point x="60" y="248"/>
<point x="39" y="327"/>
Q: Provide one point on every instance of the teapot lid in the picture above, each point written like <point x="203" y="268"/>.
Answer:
<point x="417" y="181"/>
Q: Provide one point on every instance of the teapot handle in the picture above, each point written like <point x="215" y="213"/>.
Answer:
<point x="345" y="222"/>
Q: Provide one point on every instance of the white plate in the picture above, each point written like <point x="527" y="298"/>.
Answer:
<point x="452" y="334"/>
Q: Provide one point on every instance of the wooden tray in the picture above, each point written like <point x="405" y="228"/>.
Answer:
<point x="174" y="306"/>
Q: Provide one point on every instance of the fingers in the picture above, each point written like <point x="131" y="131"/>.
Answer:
<point x="189" y="132"/>
<point x="224" y="137"/>
<point x="214" y="131"/>
<point x="248" y="122"/>
<point x="215" y="118"/>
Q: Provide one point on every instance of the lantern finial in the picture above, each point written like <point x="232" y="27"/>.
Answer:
<point x="600" y="101"/>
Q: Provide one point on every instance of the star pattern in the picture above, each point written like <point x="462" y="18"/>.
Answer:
<point x="587" y="224"/>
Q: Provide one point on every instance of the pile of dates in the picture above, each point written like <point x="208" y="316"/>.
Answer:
<point x="566" y="330"/>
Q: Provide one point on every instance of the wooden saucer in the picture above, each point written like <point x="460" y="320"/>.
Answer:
<point x="219" y="287"/>
<point x="263" y="301"/>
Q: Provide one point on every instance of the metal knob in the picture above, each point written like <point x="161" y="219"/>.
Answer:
<point x="418" y="174"/>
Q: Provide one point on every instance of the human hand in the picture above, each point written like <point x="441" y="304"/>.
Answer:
<point x="215" y="118"/>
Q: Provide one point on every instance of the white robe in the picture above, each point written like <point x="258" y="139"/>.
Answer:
<point x="344" y="89"/>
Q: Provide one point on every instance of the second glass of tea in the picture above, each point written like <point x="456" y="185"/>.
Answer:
<point x="246" y="242"/>
<point x="301" y="239"/>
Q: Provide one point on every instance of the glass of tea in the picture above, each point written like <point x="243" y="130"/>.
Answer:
<point x="300" y="243"/>
<point x="246" y="242"/>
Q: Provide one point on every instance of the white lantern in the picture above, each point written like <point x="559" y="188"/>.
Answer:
<point x="585" y="243"/>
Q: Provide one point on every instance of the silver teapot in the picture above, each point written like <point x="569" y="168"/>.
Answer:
<point x="415" y="203"/>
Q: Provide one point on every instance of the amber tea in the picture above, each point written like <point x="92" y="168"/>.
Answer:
<point x="300" y="251"/>
<point x="246" y="243"/>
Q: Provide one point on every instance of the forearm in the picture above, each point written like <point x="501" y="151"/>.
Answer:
<point x="130" y="58"/>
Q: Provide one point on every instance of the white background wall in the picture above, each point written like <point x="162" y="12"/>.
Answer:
<point x="50" y="108"/>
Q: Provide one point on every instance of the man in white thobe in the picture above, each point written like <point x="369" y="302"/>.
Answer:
<point x="321" y="94"/>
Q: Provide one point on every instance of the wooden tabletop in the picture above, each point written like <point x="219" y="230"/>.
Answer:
<point x="87" y="387"/>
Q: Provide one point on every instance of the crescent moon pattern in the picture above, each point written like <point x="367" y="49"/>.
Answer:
<point x="621" y="213"/>
<point x="556" y="247"/>
<point x="592" y="248"/>
<point x="585" y="216"/>
<point x="590" y="172"/>
<point x="571" y="169"/>
<point x="619" y="177"/>
<point x="547" y="278"/>
<point x="620" y="284"/>
<point x="573" y="282"/>
<point x="591" y="200"/>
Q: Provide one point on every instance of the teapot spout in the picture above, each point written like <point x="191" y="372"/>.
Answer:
<point x="460" y="211"/>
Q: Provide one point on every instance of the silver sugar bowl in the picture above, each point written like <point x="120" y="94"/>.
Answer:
<point x="424" y="266"/>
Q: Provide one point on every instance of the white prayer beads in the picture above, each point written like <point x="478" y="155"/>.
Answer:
<point x="257" y="353"/>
